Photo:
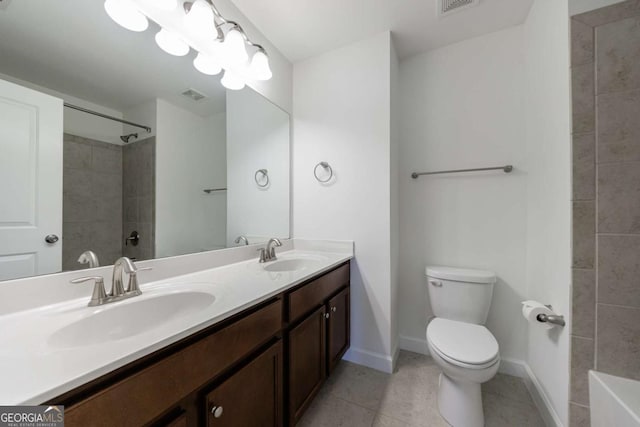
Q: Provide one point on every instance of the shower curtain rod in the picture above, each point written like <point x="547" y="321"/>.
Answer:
<point x="104" y="116"/>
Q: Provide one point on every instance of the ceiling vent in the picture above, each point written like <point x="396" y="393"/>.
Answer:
<point x="446" y="7"/>
<point x="193" y="94"/>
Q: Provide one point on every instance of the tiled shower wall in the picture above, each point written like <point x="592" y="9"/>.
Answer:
<point x="138" y="197"/>
<point x="606" y="198"/>
<point x="92" y="200"/>
<point x="108" y="191"/>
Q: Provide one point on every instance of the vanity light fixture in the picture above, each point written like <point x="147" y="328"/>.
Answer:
<point x="206" y="64"/>
<point x="221" y="44"/>
<point x="171" y="43"/>
<point x="200" y="18"/>
<point x="231" y="81"/>
<point x="167" y="4"/>
<point x="125" y="13"/>
<point x="233" y="46"/>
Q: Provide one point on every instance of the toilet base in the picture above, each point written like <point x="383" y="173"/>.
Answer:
<point x="460" y="403"/>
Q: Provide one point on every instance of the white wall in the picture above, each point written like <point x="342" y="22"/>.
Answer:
<point x="395" y="196"/>
<point x="79" y="123"/>
<point x="190" y="156"/>
<point x="581" y="6"/>
<point x="341" y="107"/>
<point x="462" y="107"/>
<point x="215" y="204"/>
<point x="548" y="195"/>
<point x="144" y="114"/>
<point x="257" y="138"/>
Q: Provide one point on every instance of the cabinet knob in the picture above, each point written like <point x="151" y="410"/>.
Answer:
<point x="326" y="316"/>
<point x="334" y="309"/>
<point x="216" y="411"/>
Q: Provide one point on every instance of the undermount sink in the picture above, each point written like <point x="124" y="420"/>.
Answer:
<point x="125" y="320"/>
<point x="293" y="264"/>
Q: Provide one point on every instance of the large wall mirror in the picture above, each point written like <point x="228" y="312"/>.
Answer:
<point x="189" y="167"/>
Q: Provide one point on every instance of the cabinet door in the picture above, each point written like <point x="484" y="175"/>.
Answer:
<point x="180" y="421"/>
<point x="252" y="397"/>
<point x="307" y="355"/>
<point x="339" y="330"/>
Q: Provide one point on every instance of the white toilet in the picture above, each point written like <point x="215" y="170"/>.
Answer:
<point x="459" y="343"/>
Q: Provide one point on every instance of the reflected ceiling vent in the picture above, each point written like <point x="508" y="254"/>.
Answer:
<point x="446" y="7"/>
<point x="193" y="94"/>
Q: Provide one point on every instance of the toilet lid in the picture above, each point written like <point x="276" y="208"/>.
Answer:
<point x="463" y="342"/>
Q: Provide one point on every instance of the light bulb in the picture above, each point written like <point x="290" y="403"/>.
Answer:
<point x="206" y="64"/>
<point x="171" y="43"/>
<point x="200" y="18"/>
<point x="125" y="14"/>
<point x="259" y="68"/>
<point x="166" y="4"/>
<point x="231" y="81"/>
<point x="234" y="47"/>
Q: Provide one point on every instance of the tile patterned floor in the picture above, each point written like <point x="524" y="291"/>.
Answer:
<point x="356" y="396"/>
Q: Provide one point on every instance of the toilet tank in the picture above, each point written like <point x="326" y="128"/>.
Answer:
<point x="460" y="294"/>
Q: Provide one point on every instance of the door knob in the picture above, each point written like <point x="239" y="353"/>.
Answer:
<point x="51" y="238"/>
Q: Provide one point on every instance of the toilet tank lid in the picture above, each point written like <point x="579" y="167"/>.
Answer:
<point x="460" y="274"/>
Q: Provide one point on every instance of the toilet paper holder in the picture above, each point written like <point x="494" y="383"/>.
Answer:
<point x="554" y="319"/>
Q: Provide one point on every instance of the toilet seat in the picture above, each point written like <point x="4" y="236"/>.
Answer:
<point x="463" y="344"/>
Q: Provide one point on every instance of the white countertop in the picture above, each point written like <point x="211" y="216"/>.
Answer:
<point x="33" y="370"/>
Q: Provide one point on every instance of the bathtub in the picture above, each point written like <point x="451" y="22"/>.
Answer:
<point x="614" y="401"/>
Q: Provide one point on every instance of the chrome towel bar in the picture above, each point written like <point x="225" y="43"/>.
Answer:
<point x="211" y="190"/>
<point x="505" y="169"/>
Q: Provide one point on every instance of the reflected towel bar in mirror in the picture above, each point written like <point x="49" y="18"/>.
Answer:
<point x="212" y="190"/>
<point x="505" y="169"/>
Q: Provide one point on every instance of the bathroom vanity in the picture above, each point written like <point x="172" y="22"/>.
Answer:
<point x="269" y="339"/>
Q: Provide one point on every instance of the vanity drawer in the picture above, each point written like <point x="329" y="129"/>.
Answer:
<point x="313" y="294"/>
<point x="145" y="395"/>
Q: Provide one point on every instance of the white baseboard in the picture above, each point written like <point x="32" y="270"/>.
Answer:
<point x="378" y="361"/>
<point x="540" y="398"/>
<point x="513" y="367"/>
<point x="414" y="345"/>
<point x="394" y="360"/>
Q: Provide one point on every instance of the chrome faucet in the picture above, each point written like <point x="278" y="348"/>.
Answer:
<point x="242" y="239"/>
<point x="122" y="265"/>
<point x="118" y="291"/>
<point x="89" y="257"/>
<point x="269" y="253"/>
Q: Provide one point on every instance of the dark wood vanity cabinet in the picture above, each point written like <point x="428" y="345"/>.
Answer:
<point x="261" y="367"/>
<point x="318" y="338"/>
<point x="307" y="361"/>
<point x="338" y="331"/>
<point x="252" y="396"/>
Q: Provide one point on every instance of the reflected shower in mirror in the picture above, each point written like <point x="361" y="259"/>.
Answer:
<point x="109" y="147"/>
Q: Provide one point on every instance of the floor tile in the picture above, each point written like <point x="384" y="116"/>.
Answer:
<point x="500" y="412"/>
<point x="330" y="411"/>
<point x="408" y="398"/>
<point x="507" y="387"/>
<point x="385" y="421"/>
<point x="357" y="384"/>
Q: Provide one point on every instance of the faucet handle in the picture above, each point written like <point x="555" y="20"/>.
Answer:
<point x="99" y="293"/>
<point x="263" y="255"/>
<point x="133" y="287"/>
